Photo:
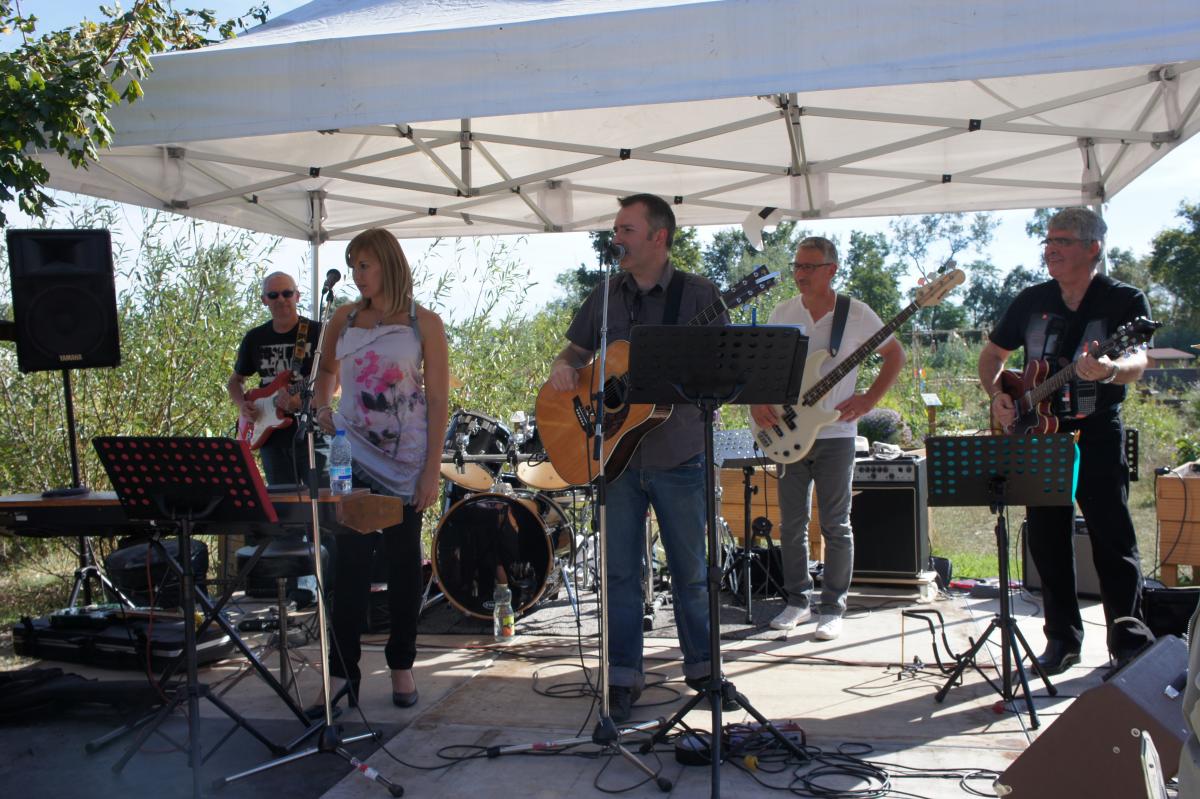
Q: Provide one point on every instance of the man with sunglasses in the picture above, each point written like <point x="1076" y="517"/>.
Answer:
<point x="829" y="464"/>
<point x="1060" y="321"/>
<point x="268" y="350"/>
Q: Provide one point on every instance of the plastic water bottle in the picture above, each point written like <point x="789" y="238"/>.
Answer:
<point x="504" y="622"/>
<point x="340" y="464"/>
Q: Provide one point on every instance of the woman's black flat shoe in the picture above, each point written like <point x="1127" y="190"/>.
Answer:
<point x="405" y="699"/>
<point x="349" y="689"/>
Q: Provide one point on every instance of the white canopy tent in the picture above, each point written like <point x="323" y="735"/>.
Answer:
<point x="460" y="117"/>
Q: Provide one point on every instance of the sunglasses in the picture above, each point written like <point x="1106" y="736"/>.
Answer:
<point x="810" y="267"/>
<point x="287" y="294"/>
<point x="1062" y="241"/>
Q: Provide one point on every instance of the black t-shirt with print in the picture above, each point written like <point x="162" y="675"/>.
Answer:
<point x="267" y="353"/>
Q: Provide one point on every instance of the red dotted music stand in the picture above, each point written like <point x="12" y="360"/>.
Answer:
<point x="198" y="479"/>
<point x="179" y="482"/>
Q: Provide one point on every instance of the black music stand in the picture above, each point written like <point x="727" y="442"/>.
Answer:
<point x="179" y="482"/>
<point x="710" y="367"/>
<point x="998" y="471"/>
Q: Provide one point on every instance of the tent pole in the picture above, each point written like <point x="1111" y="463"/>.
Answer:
<point x="316" y="215"/>
<point x="464" y="145"/>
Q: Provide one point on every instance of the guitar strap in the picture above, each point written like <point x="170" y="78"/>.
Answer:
<point x="841" y="310"/>
<point x="1081" y="400"/>
<point x="674" y="296"/>
<point x="1070" y="340"/>
<point x="300" y="351"/>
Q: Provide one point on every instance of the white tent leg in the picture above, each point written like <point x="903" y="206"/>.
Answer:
<point x="316" y="218"/>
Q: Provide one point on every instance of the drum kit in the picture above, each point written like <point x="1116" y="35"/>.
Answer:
<point x="518" y="526"/>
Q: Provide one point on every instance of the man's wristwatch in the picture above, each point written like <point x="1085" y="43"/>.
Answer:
<point x="1111" y="376"/>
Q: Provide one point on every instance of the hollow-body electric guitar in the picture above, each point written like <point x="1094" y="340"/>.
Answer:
<point x="1033" y="388"/>
<point x="792" y="436"/>
<point x="267" y="416"/>
<point x="566" y="419"/>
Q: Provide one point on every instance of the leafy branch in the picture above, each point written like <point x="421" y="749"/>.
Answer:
<point x="57" y="89"/>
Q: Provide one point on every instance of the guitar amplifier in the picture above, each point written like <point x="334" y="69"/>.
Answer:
<point x="890" y="517"/>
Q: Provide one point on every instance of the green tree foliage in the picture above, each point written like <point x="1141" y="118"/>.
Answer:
<point x="729" y="255"/>
<point x="577" y="283"/>
<point x="866" y="275"/>
<point x="928" y="242"/>
<point x="1175" y="263"/>
<point x="186" y="295"/>
<point x="989" y="293"/>
<point x="56" y="89"/>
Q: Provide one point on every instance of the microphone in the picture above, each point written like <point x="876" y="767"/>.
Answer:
<point x="331" y="279"/>
<point x="614" y="253"/>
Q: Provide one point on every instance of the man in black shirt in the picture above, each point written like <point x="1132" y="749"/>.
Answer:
<point x="268" y="350"/>
<point x="1063" y="320"/>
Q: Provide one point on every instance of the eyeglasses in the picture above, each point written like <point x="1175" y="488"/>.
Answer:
<point x="287" y="294"/>
<point x="1061" y="241"/>
<point x="810" y="267"/>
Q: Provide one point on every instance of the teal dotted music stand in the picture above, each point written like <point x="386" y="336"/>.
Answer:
<point x="1029" y="470"/>
<point x="998" y="471"/>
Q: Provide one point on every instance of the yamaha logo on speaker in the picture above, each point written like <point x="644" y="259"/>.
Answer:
<point x="75" y="356"/>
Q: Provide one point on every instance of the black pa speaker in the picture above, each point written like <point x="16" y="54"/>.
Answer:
<point x="890" y="518"/>
<point x="1094" y="747"/>
<point x="64" y="299"/>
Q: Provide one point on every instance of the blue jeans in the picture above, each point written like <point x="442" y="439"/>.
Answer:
<point x="677" y="496"/>
<point x="829" y="465"/>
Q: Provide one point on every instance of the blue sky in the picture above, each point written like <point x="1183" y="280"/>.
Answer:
<point x="1134" y="216"/>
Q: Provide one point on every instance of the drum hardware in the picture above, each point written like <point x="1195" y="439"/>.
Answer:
<point x="654" y="591"/>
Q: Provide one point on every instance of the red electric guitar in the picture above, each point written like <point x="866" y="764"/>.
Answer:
<point x="267" y="416"/>
<point x="1032" y="389"/>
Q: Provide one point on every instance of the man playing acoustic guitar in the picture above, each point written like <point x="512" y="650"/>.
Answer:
<point x="667" y="470"/>
<point x="1062" y="322"/>
<point x="269" y="351"/>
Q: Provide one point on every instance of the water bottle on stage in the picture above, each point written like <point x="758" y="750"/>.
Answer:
<point x="340" y="464"/>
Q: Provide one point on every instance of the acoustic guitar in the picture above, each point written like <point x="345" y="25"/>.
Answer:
<point x="566" y="419"/>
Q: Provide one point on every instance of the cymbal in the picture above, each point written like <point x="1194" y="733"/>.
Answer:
<point x="455" y="382"/>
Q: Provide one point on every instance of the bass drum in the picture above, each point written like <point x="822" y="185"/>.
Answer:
<point x="521" y="538"/>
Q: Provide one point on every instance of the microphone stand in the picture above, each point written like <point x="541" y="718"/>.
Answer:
<point x="606" y="734"/>
<point x="329" y="736"/>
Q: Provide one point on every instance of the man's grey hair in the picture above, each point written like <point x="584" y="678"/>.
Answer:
<point x="1083" y="222"/>
<point x="268" y="278"/>
<point x="826" y="247"/>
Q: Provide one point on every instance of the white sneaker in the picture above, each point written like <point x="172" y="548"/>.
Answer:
<point x="828" y="628"/>
<point x="790" y="616"/>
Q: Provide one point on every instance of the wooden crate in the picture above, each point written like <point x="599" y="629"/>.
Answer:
<point x="763" y="503"/>
<point x="1177" y="498"/>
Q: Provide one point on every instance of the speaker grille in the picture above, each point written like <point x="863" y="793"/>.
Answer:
<point x="64" y="299"/>
<point x="70" y="325"/>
